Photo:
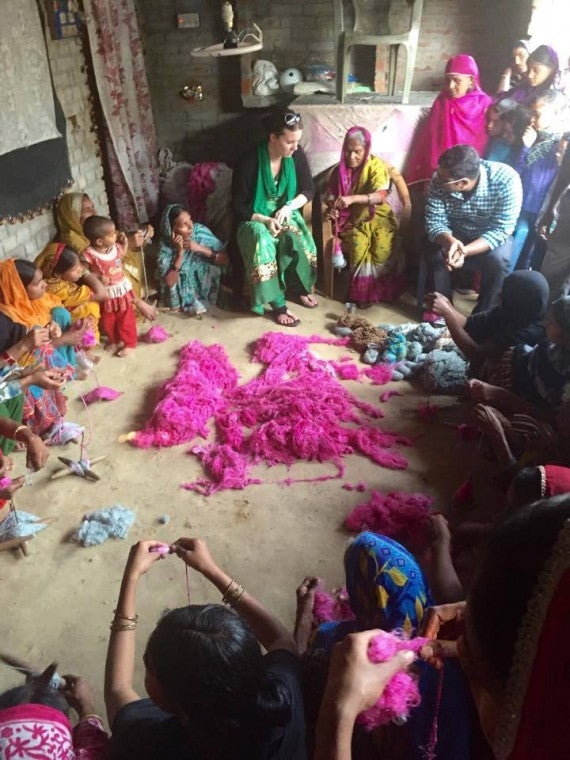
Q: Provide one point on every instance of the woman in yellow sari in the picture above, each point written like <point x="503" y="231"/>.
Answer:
<point x="72" y="211"/>
<point x="365" y="226"/>
<point x="68" y="279"/>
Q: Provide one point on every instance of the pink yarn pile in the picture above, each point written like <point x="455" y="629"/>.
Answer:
<point x="101" y="393"/>
<point x="401" y="693"/>
<point x="380" y="374"/>
<point x="295" y="409"/>
<point x="396" y="515"/>
<point x="187" y="402"/>
<point x="156" y="334"/>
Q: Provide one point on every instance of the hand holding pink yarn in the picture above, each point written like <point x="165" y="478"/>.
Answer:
<point x="401" y="692"/>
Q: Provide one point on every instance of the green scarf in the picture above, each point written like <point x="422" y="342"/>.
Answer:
<point x="268" y="195"/>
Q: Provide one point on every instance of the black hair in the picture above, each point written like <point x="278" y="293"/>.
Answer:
<point x="461" y="161"/>
<point x="174" y="213"/>
<point x="209" y="665"/>
<point x="515" y="556"/>
<point x="281" y="119"/>
<point x="544" y="55"/>
<point x="519" y="118"/>
<point x="36" y="690"/>
<point x="552" y="98"/>
<point x="95" y="227"/>
<point x="67" y="259"/>
<point x="527" y="485"/>
<point x="26" y="271"/>
<point x="561" y="312"/>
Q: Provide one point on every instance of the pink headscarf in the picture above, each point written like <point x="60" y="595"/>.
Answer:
<point x="451" y="121"/>
<point x="34" y="731"/>
<point x="344" y="179"/>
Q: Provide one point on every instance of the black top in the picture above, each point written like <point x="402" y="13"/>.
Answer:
<point x="519" y="318"/>
<point x="142" y="731"/>
<point x="244" y="181"/>
<point x="10" y="333"/>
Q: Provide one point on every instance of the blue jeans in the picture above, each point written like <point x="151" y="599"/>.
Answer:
<point x="525" y="238"/>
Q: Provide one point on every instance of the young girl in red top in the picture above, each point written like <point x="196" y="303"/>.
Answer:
<point x="104" y="258"/>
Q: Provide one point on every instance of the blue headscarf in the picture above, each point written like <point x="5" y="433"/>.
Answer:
<point x="386" y="589"/>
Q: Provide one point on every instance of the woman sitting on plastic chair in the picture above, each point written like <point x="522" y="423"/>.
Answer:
<point x="365" y="227"/>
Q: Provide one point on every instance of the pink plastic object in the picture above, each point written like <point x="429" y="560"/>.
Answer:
<point x="160" y="549"/>
<point x="102" y="393"/>
<point x="156" y="334"/>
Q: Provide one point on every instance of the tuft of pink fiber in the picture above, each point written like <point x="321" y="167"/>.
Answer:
<point x="428" y="412"/>
<point x="293" y="410"/>
<point x="401" y="693"/>
<point x="332" y="607"/>
<point x="388" y="394"/>
<point x="346" y="371"/>
<point x="5" y="482"/>
<point x="88" y="340"/>
<point x="396" y="515"/>
<point x="156" y="334"/>
<point x="101" y="393"/>
<point x="379" y="374"/>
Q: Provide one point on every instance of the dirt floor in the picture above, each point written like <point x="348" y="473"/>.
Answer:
<point x="57" y="603"/>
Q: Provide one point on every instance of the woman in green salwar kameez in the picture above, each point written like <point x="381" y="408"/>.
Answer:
<point x="271" y="183"/>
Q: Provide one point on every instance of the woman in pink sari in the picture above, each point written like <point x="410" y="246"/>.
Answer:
<point x="457" y="117"/>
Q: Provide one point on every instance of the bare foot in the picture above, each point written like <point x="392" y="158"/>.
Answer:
<point x="309" y="301"/>
<point x="95" y="358"/>
<point x="287" y="319"/>
<point x="122" y="352"/>
<point x="111" y="347"/>
<point x="304" y="616"/>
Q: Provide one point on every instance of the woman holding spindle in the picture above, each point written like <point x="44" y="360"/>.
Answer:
<point x="365" y="225"/>
<point x="212" y="692"/>
<point x="270" y="185"/>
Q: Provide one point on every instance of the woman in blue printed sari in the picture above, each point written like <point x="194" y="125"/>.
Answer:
<point x="190" y="262"/>
<point x="387" y="589"/>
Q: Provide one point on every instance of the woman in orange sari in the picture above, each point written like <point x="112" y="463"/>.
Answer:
<point x="24" y="301"/>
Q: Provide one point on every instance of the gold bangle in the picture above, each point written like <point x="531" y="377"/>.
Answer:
<point x="125" y="617"/>
<point x="233" y="594"/>
<point x="122" y="626"/>
<point x="17" y="430"/>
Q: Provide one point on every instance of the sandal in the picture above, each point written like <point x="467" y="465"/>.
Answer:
<point x="276" y="313"/>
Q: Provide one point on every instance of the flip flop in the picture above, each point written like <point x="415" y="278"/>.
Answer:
<point x="288" y="313"/>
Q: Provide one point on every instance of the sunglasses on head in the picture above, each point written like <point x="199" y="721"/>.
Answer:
<point x="292" y="118"/>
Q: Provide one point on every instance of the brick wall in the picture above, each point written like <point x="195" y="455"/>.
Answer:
<point x="296" y="32"/>
<point x="26" y="239"/>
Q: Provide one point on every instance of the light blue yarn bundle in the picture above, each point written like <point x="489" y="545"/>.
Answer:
<point x="97" y="527"/>
<point x="19" y="524"/>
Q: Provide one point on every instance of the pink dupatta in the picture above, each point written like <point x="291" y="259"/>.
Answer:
<point x="451" y="121"/>
<point x="344" y="179"/>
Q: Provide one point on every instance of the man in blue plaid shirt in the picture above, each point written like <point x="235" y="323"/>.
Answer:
<point x="472" y="208"/>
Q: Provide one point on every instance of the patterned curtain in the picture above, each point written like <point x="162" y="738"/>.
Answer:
<point x="120" y="74"/>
